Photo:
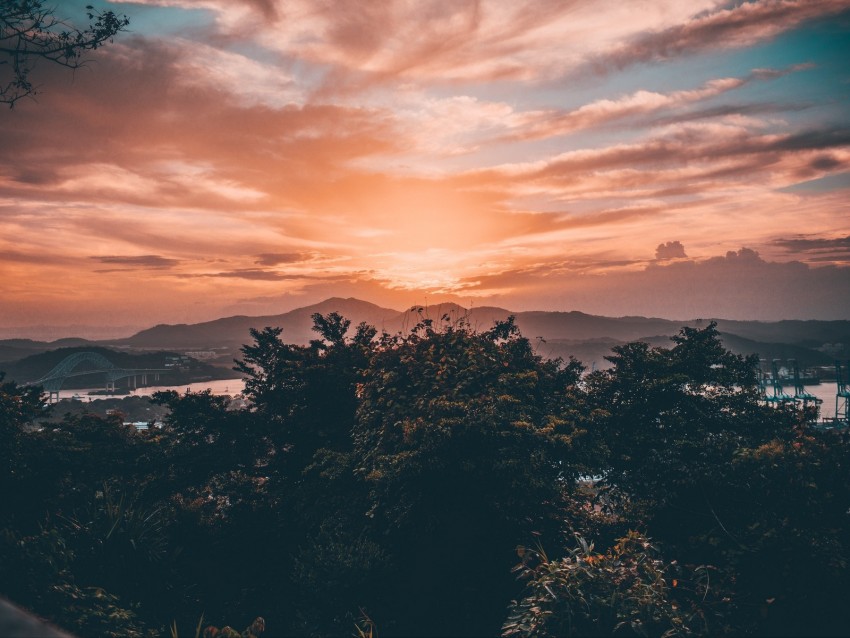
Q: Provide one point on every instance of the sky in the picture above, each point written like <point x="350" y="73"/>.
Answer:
<point x="670" y="158"/>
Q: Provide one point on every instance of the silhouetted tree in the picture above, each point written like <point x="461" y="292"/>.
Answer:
<point x="464" y="441"/>
<point x="18" y="406"/>
<point x="30" y="31"/>
<point x="397" y="475"/>
<point x="718" y="478"/>
<point x="305" y="397"/>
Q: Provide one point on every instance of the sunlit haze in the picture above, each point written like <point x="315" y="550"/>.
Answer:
<point x="670" y="158"/>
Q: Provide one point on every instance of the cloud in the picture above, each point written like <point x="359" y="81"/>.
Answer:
<point x="691" y="157"/>
<point x="34" y="258"/>
<point x="737" y="26"/>
<point x="246" y="80"/>
<point x="154" y="262"/>
<point x="803" y="243"/>
<point x="258" y="274"/>
<point x="736" y="258"/>
<point x="738" y="285"/>
<point x="275" y="259"/>
<point x="670" y="250"/>
<point x="299" y="148"/>
<point x="731" y="109"/>
<point x="350" y="47"/>
<point x="640" y="108"/>
<point x="817" y="249"/>
<point x="642" y="102"/>
<point x="440" y="41"/>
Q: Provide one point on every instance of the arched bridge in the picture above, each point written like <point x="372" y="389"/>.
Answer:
<point x="53" y="380"/>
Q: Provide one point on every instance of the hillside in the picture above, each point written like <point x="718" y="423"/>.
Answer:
<point x="232" y="332"/>
<point x="33" y="367"/>
<point x="297" y="324"/>
<point x="16" y="349"/>
<point x="589" y="338"/>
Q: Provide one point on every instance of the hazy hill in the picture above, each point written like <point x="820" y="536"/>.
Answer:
<point x="806" y="333"/>
<point x="578" y="325"/>
<point x="15" y="349"/>
<point x="587" y="337"/>
<point x="806" y="357"/>
<point x="592" y="352"/>
<point x="232" y="332"/>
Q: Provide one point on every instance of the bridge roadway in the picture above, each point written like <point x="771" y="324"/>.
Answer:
<point x="52" y="381"/>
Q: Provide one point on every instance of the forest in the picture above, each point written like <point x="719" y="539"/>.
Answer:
<point x="442" y="482"/>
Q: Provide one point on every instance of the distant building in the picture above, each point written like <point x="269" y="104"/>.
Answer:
<point x="202" y="355"/>
<point x="142" y="426"/>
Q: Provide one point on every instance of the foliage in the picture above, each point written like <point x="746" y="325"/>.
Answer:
<point x="393" y="476"/>
<point x="627" y="591"/>
<point x="212" y="484"/>
<point x="455" y="404"/>
<point x="43" y="565"/>
<point x="671" y="419"/>
<point x="721" y="479"/>
<point x="365" y="627"/>
<point x="254" y="630"/>
<point x="306" y="397"/>
<point x="462" y="441"/>
<point x="30" y="31"/>
<point x="785" y="533"/>
<point x="303" y="404"/>
<point x="56" y="469"/>
<point x="201" y="438"/>
<point x="18" y="406"/>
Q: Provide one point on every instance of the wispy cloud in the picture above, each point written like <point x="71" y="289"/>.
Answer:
<point x="640" y="103"/>
<point x="277" y="151"/>
<point x="737" y="26"/>
<point x="275" y="259"/>
<point x="256" y="274"/>
<point x="817" y="249"/>
<point x="708" y="156"/>
<point x="442" y="40"/>
<point x="155" y="262"/>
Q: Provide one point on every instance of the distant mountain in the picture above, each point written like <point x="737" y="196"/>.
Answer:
<point x="578" y="325"/>
<point x="806" y="357"/>
<point x="587" y="337"/>
<point x="15" y="349"/>
<point x="572" y="326"/>
<point x="806" y="333"/>
<point x="591" y="352"/>
<point x="232" y="332"/>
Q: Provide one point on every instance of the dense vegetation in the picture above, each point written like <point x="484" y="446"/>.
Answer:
<point x="442" y="482"/>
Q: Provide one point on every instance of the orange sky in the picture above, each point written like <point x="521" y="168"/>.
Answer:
<point x="669" y="158"/>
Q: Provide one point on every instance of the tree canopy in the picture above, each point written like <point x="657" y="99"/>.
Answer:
<point x="394" y="481"/>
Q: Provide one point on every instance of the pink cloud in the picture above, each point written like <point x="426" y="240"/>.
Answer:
<point x="737" y="26"/>
<point x="353" y="149"/>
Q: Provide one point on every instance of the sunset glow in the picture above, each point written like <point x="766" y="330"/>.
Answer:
<point x="670" y="158"/>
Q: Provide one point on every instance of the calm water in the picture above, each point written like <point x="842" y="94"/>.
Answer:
<point x="220" y="386"/>
<point x="824" y="391"/>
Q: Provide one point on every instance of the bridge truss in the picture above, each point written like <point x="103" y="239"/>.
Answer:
<point x="52" y="381"/>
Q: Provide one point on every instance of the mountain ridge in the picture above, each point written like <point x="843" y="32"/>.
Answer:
<point x="820" y="339"/>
